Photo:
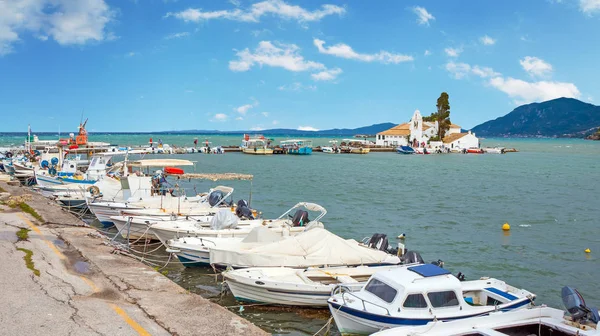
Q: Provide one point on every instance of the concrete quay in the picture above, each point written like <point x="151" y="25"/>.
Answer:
<point x="63" y="279"/>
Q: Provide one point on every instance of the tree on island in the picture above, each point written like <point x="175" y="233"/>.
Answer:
<point x="442" y="116"/>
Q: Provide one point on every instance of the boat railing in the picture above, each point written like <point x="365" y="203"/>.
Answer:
<point x="344" y="290"/>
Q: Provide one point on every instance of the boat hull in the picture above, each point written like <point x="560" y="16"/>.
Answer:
<point x="258" y="151"/>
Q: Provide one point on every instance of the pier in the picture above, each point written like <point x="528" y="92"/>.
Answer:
<point x="61" y="277"/>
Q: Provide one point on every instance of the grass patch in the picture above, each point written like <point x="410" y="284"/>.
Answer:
<point x="23" y="234"/>
<point x="29" y="260"/>
<point x="27" y="209"/>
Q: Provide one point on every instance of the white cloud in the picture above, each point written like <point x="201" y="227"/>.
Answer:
<point x="297" y="86"/>
<point x="219" y="117"/>
<point x="245" y="108"/>
<point x="275" y="122"/>
<point x="266" y="114"/>
<point x="589" y="6"/>
<point x="427" y="53"/>
<point x="277" y="8"/>
<point x="345" y="51"/>
<point x="520" y="91"/>
<point x="239" y="118"/>
<point x="131" y="54"/>
<point x="236" y="3"/>
<point x="188" y="91"/>
<point x="526" y="92"/>
<point x="307" y="128"/>
<point x="285" y="56"/>
<point x="486" y="40"/>
<point x="536" y="66"/>
<point x="326" y="75"/>
<point x="453" y="52"/>
<point x="257" y="32"/>
<point x="177" y="35"/>
<point x="423" y="16"/>
<point x="257" y="128"/>
<point x="462" y="70"/>
<point x="67" y="22"/>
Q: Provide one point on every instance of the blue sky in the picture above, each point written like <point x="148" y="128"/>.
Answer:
<point x="150" y="65"/>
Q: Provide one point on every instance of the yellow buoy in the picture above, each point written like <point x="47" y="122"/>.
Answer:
<point x="506" y="227"/>
<point x="587" y="250"/>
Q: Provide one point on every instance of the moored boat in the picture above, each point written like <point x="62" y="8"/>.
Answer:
<point x="417" y="295"/>
<point x="405" y="150"/>
<point x="257" y="145"/>
<point x="297" y="146"/>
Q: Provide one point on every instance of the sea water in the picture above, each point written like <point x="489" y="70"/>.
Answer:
<point x="450" y="207"/>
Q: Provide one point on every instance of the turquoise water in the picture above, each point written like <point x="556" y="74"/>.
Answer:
<point x="451" y="207"/>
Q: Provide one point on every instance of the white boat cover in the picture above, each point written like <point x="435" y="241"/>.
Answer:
<point x="262" y="234"/>
<point x="224" y="219"/>
<point x="314" y="247"/>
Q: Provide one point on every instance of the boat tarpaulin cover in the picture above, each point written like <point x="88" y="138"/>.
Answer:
<point x="428" y="270"/>
<point x="224" y="219"/>
<point x="314" y="247"/>
<point x="261" y="234"/>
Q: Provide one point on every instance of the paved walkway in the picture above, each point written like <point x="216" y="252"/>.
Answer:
<point x="84" y="289"/>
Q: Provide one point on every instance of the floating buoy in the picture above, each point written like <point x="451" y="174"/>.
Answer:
<point x="401" y="236"/>
<point x="506" y="227"/>
<point x="587" y="250"/>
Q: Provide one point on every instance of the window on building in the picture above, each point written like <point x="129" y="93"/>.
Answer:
<point x="442" y="299"/>
<point x="381" y="290"/>
<point x="415" y="301"/>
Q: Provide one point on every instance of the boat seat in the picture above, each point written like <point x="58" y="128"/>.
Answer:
<point x="345" y="279"/>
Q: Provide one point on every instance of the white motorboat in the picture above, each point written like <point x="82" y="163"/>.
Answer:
<point x="331" y="149"/>
<point x="540" y="320"/>
<point x="313" y="248"/>
<point x="295" y="287"/>
<point x="416" y="295"/>
<point x="494" y="150"/>
<point x="295" y="224"/>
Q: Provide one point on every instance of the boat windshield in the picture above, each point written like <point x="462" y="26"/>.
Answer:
<point x="381" y="290"/>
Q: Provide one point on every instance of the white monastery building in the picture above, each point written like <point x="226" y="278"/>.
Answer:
<point x="417" y="133"/>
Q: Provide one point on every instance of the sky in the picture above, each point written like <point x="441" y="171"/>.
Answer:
<point x="159" y="65"/>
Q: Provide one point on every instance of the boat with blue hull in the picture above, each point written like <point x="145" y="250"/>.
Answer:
<point x="417" y="295"/>
<point x="405" y="150"/>
<point x="297" y="146"/>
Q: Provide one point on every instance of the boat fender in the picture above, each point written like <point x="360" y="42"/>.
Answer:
<point x="52" y="171"/>
<point x="54" y="161"/>
<point x="44" y="164"/>
<point x="8" y="154"/>
<point x="94" y="191"/>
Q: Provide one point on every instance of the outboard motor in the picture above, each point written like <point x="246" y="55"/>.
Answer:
<point x="215" y="197"/>
<point x="243" y="212"/>
<point x="412" y="257"/>
<point x="438" y="263"/>
<point x="379" y="241"/>
<point x="575" y="305"/>
<point x="300" y="218"/>
<point x="242" y="203"/>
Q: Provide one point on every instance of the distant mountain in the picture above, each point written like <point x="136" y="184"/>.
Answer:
<point x="366" y="130"/>
<point x="562" y="117"/>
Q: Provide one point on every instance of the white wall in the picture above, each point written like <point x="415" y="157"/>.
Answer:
<point x="390" y="140"/>
<point x="468" y="141"/>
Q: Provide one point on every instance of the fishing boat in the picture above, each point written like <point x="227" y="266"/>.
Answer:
<point x="297" y="146"/>
<point x="294" y="224"/>
<point x="256" y="145"/>
<point x="405" y="150"/>
<point x="540" y="320"/>
<point x="417" y="295"/>
<point x="355" y="146"/>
